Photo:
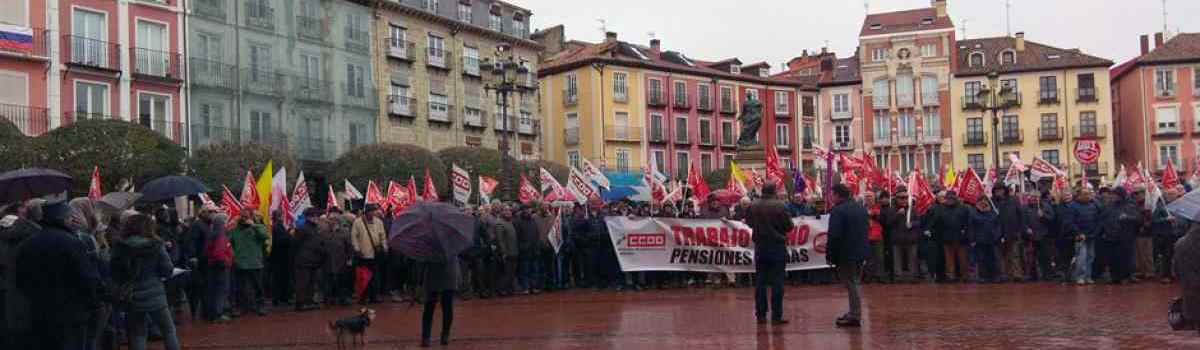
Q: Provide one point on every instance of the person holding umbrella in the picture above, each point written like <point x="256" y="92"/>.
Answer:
<point x="434" y="234"/>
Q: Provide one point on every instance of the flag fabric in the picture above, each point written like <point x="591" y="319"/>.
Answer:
<point x="658" y="191"/>
<point x="1015" y="162"/>
<point x="487" y="186"/>
<point x="918" y="190"/>
<point x="1122" y="178"/>
<point x="398" y="197"/>
<point x="757" y="180"/>
<point x="249" y="198"/>
<point x="527" y="193"/>
<point x="555" y="236"/>
<point x="412" y="190"/>
<point x="827" y="181"/>
<point x="231" y="206"/>
<point x="1194" y="180"/>
<point x="1170" y="178"/>
<point x="1135" y="178"/>
<point x="736" y="187"/>
<point x="736" y="173"/>
<point x="279" y="198"/>
<point x="206" y="202"/>
<point x="1013" y="177"/>
<point x="674" y="193"/>
<point x="970" y="188"/>
<point x="264" y="193"/>
<point x="1060" y="185"/>
<point x="331" y="200"/>
<point x="300" y="200"/>
<point x="16" y="38"/>
<point x="461" y="180"/>
<point x="700" y="188"/>
<point x="581" y="185"/>
<point x="375" y="196"/>
<point x="798" y="183"/>
<point x="1153" y="195"/>
<point x="352" y="192"/>
<point x="429" y="193"/>
<point x="774" y="172"/>
<point x="594" y="174"/>
<point x="949" y="177"/>
<point x="547" y="180"/>
<point x="1040" y="168"/>
<point x="94" y="192"/>
<point x="989" y="181"/>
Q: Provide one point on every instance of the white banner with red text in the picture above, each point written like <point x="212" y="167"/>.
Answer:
<point x="708" y="245"/>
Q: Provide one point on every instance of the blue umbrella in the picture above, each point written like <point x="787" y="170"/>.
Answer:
<point x="169" y="187"/>
<point x="432" y="232"/>
<point x="22" y="184"/>
<point x="618" y="193"/>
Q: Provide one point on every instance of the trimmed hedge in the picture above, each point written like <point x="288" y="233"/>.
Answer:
<point x="122" y="150"/>
<point x="383" y="162"/>
<point x="226" y="164"/>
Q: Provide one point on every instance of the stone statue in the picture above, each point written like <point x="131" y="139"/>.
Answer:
<point x="751" y="118"/>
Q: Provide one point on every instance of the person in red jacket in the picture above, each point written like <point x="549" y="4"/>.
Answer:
<point x="875" y="270"/>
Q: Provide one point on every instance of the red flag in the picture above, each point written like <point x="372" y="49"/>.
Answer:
<point x="430" y="192"/>
<point x="736" y="187"/>
<point x="249" y="192"/>
<point x="398" y="197"/>
<point x="487" y="186"/>
<point x="231" y="206"/>
<point x="375" y="196"/>
<point x="970" y="189"/>
<point x="331" y="200"/>
<point x="1170" y="178"/>
<point x="699" y="187"/>
<point x="774" y="171"/>
<point x="527" y="193"/>
<point x="1135" y="179"/>
<point x="412" y="189"/>
<point x="94" y="192"/>
<point x="918" y="190"/>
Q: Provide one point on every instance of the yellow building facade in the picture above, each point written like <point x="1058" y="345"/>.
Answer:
<point x="1046" y="99"/>
<point x="577" y="99"/>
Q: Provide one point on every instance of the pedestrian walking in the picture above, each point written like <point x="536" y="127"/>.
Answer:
<point x="248" y="240"/>
<point x="140" y="265"/>
<point x="848" y="249"/>
<point x="768" y="218"/>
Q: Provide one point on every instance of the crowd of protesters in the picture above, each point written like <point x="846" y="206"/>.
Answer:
<point x="73" y="275"/>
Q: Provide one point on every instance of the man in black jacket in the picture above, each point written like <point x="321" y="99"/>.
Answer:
<point x="950" y="223"/>
<point x="1014" y="229"/>
<point x="769" y="219"/>
<point x="62" y="287"/>
<point x="848" y="248"/>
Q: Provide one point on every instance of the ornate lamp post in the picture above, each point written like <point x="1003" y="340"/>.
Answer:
<point x="995" y="101"/>
<point x="506" y="70"/>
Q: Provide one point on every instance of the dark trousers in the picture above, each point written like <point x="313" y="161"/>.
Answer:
<point x="217" y="291"/>
<point x="55" y="335"/>
<point x="1045" y="257"/>
<point x="989" y="265"/>
<point x="508" y="272"/>
<point x="1065" y="252"/>
<point x="482" y="272"/>
<point x="530" y="272"/>
<point x="1122" y="259"/>
<point x="305" y="279"/>
<point x="1103" y="262"/>
<point x="338" y="286"/>
<point x="1164" y="250"/>
<point x="431" y="300"/>
<point x="281" y="283"/>
<point x="769" y="273"/>
<point x="249" y="283"/>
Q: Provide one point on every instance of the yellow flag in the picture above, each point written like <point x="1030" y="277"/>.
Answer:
<point x="735" y="172"/>
<point x="264" y="193"/>
<point x="950" y="177"/>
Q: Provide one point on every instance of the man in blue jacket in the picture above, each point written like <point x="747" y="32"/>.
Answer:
<point x="1083" y="222"/>
<point x="848" y="248"/>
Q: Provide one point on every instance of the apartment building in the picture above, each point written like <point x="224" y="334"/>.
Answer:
<point x="437" y="95"/>
<point x="1156" y="103"/>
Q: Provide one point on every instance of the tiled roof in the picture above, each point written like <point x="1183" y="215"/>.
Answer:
<point x="1035" y="57"/>
<point x="627" y="54"/>
<point x="845" y="71"/>
<point x="1116" y="72"/>
<point x="904" y="21"/>
<point x="1183" y="47"/>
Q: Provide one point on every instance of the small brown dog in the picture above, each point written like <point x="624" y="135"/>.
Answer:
<point x="355" y="326"/>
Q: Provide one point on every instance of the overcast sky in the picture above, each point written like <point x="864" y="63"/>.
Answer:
<point x="777" y="30"/>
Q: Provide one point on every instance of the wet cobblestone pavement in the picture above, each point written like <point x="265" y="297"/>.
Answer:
<point x="1009" y="316"/>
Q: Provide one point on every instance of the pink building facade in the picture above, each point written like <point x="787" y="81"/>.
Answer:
<point x="1156" y="104"/>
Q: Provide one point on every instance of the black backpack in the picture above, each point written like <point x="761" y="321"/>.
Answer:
<point x="121" y="294"/>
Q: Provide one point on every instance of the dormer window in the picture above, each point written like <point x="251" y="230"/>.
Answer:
<point x="976" y="59"/>
<point x="686" y="60"/>
<point x="638" y="53"/>
<point x="876" y="26"/>
<point x="927" y="21"/>
<point x="1053" y="56"/>
<point x="764" y="72"/>
<point x="735" y="69"/>
<point x="1008" y="57"/>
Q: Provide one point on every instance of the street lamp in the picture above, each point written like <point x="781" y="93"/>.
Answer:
<point x="996" y="101"/>
<point x="506" y="72"/>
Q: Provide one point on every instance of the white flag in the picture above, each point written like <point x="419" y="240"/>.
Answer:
<point x="594" y="173"/>
<point x="351" y="192"/>
<point x="582" y="186"/>
<point x="279" y="189"/>
<point x="300" y="199"/>
<point x="555" y="236"/>
<point x="462" y="184"/>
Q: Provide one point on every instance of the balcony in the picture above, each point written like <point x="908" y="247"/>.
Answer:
<point x="208" y="134"/>
<point x="972" y="102"/>
<point x="656" y="99"/>
<point x="32" y="121"/>
<point x="727" y="107"/>
<point x="360" y="96"/>
<point x="1009" y="100"/>
<point x="681" y="137"/>
<point x="213" y="9"/>
<point x="904" y="100"/>
<point x="1092" y="170"/>
<point x="357" y="40"/>
<point x="931" y="137"/>
<point x="681" y="103"/>
<point x="1048" y="97"/>
<point x="1083" y="95"/>
<point x="1012" y="137"/>
<point x="845" y="145"/>
<point x="91" y="53"/>
<point x="440" y="112"/>
<point x="658" y="135"/>
<point x="310" y="28"/>
<point x="705" y="105"/>
<point x="474" y="117"/>
<point x="502" y="125"/>
<point x="728" y="141"/>
<point x="37" y="49"/>
<point x="401" y="106"/>
<point x="782" y="111"/>
<point x="70" y="117"/>
<point x="571" y="136"/>
<point x="400" y="49"/>
<point x="930" y="99"/>
<point x="883" y="140"/>
<point x="262" y="81"/>
<point x="436" y="57"/>
<point x="1167" y="132"/>
<point x="312" y="90"/>
<point x="212" y="74"/>
<point x="841" y="115"/>
<point x="570" y="98"/>
<point x="260" y="15"/>
<point x="172" y="130"/>
<point x="155" y="64"/>
<point x="908" y="139"/>
<point x="881" y="101"/>
<point x="315" y="149"/>
<point x="1090" y="132"/>
<point x="1050" y="134"/>
<point x="623" y="133"/>
<point x="621" y="97"/>
<point x="974" y="139"/>
<point x="470" y="66"/>
<point x="529" y="126"/>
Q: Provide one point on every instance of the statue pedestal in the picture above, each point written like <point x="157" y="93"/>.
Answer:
<point x="751" y="158"/>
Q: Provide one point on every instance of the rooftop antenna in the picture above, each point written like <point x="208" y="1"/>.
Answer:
<point x="964" y="27"/>
<point x="603" y="26"/>
<point x="1008" y="16"/>
<point x="1164" y="9"/>
<point x="867" y="6"/>
<point x="650" y="34"/>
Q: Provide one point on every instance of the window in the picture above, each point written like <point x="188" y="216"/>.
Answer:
<point x="495" y="22"/>
<point x="1196" y="81"/>
<point x="806" y="139"/>
<point x="1049" y="126"/>
<point x="929" y="90"/>
<point x="355" y="81"/>
<point x="975" y="131"/>
<point x="781" y="102"/>
<point x="1167" y="119"/>
<point x="975" y="161"/>
<point x="1050" y="155"/>
<point x="1009" y="86"/>
<point x="260" y="64"/>
<point x="572" y="87"/>
<point x="153" y="112"/>
<point x="1010" y="126"/>
<point x="398" y="38"/>
<point x="879" y="92"/>
<point x="782" y="139"/>
<point x="704" y="97"/>
<point x="518" y="26"/>
<point x="91" y="100"/>
<point x="431" y="5"/>
<point x="1008" y="57"/>
<point x="400" y="102"/>
<point x="841" y="104"/>
<point x="933" y="161"/>
<point x="706" y="131"/>
<point x="436" y="46"/>
<point x="1164" y="82"/>
<point x="904" y="90"/>
<point x="932" y="124"/>
<point x="660" y="160"/>
<point x="1087" y="124"/>
<point x="808" y="106"/>
<point x="439" y="108"/>
<point x="464" y="12"/>
<point x="681" y="97"/>
<point x="151" y="56"/>
<point x="908" y="160"/>
<point x="907" y="124"/>
<point x="357" y="134"/>
<point x="681" y="130"/>
<point x="1048" y="89"/>
<point x="881" y="160"/>
<point x="573" y="159"/>
<point x="706" y="163"/>
<point x="622" y="159"/>
<point x="656" y="91"/>
<point x="656" y="128"/>
<point x="1168" y="153"/>
<point x="681" y="164"/>
<point x="883" y="126"/>
<point x="841" y="134"/>
<point x="976" y="59"/>
<point x="879" y="55"/>
<point x="1087" y="87"/>
<point x="471" y="60"/>
<point x="727" y="99"/>
<point x="620" y="86"/>
<point x="929" y="50"/>
<point x="260" y="125"/>
<point x="752" y="94"/>
<point x="727" y="137"/>
<point x="356" y="28"/>
<point x="971" y="92"/>
<point x="726" y="160"/>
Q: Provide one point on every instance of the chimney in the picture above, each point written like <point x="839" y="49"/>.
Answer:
<point x="1145" y="44"/>
<point x="1020" y="41"/>
<point x="940" y="6"/>
<point x="655" y="45"/>
<point x="610" y="37"/>
<point x="1158" y="40"/>
<point x="804" y="53"/>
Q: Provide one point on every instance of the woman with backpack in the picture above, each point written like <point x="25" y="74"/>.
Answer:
<point x="140" y="264"/>
<point x="218" y="254"/>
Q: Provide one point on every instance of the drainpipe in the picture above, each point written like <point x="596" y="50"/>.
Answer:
<point x="599" y="67"/>
<point x="187" y="89"/>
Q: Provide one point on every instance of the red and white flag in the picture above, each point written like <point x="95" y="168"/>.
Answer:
<point x="989" y="181"/>
<point x="919" y="192"/>
<point x="430" y="192"/>
<point x="331" y="200"/>
<point x="487" y="186"/>
<point x="398" y="197"/>
<point x="375" y="196"/>
<point x="231" y="206"/>
<point x="1135" y="179"/>
<point x="206" y="202"/>
<point x="594" y="174"/>
<point x="249" y="192"/>
<point x="658" y="191"/>
<point x="352" y="193"/>
<point x="970" y="188"/>
<point x="94" y="192"/>
<point x="300" y="200"/>
<point x="1015" y="162"/>
<point x="461" y="180"/>
<point x="1170" y="178"/>
<point x="700" y="189"/>
<point x="527" y="193"/>
<point x="1040" y="168"/>
<point x="774" y="172"/>
<point x="581" y="185"/>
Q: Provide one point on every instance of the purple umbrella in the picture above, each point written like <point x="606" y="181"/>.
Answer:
<point x="432" y="231"/>
<point x="22" y="184"/>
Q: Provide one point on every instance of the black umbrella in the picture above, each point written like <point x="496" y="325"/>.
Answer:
<point x="22" y="184"/>
<point x="168" y="187"/>
<point x="116" y="202"/>
<point x="432" y="231"/>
